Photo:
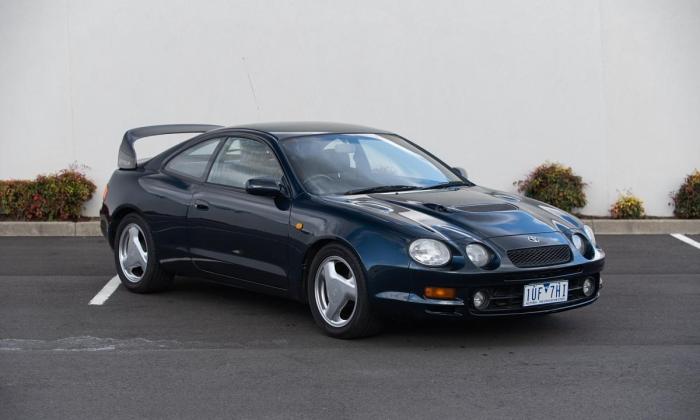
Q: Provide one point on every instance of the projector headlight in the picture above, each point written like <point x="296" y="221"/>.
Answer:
<point x="579" y="243"/>
<point x="429" y="252"/>
<point x="478" y="254"/>
<point x="590" y="234"/>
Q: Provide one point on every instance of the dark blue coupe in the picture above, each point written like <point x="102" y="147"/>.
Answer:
<point x="357" y="222"/>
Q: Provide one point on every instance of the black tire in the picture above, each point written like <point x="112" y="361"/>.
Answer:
<point x="363" y="322"/>
<point x="153" y="278"/>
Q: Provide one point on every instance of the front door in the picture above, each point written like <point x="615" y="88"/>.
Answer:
<point x="236" y="235"/>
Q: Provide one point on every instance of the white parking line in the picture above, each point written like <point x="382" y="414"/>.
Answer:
<point x="104" y="294"/>
<point x="686" y="239"/>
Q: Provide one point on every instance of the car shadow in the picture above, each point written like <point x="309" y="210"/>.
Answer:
<point x="536" y="329"/>
<point x="276" y="312"/>
<point x="198" y="290"/>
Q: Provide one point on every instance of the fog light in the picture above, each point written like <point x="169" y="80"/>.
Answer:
<point x="588" y="287"/>
<point x="440" y="292"/>
<point x="481" y="300"/>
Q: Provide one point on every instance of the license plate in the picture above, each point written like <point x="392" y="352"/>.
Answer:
<point x="544" y="293"/>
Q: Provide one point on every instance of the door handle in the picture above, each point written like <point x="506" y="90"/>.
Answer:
<point x="201" y="205"/>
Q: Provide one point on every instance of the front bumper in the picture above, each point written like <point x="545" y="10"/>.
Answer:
<point x="505" y="291"/>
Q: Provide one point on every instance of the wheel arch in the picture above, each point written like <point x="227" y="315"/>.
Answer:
<point x="314" y="249"/>
<point x="117" y="217"/>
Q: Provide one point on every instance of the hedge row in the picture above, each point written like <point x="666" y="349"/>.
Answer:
<point x="58" y="196"/>
<point x="557" y="185"/>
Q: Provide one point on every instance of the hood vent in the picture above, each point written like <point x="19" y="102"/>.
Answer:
<point x="437" y="207"/>
<point x="483" y="208"/>
<point x="373" y="205"/>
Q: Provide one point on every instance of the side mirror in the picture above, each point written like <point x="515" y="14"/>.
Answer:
<point x="263" y="186"/>
<point x="460" y="171"/>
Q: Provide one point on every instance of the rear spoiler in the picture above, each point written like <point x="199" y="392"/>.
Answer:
<point x="127" y="154"/>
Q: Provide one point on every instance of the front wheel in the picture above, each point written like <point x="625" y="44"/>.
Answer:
<point x="135" y="259"/>
<point x="337" y="294"/>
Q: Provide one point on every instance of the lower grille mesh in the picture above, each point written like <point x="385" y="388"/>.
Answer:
<point x="541" y="256"/>
<point x="510" y="297"/>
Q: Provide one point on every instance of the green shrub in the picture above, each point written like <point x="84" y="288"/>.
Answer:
<point x="687" y="199"/>
<point x="554" y="184"/>
<point x="58" y="196"/>
<point x="627" y="207"/>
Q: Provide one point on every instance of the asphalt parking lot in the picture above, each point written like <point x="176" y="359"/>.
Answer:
<point x="206" y="351"/>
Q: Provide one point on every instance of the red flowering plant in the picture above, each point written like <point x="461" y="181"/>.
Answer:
<point x="58" y="196"/>
<point x="687" y="199"/>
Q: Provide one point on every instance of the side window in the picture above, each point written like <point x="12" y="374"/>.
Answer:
<point x="242" y="159"/>
<point x="193" y="161"/>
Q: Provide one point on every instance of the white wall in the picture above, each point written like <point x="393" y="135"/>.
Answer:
<point x="610" y="88"/>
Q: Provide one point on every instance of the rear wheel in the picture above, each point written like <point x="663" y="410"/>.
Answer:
<point x="135" y="259"/>
<point x="337" y="294"/>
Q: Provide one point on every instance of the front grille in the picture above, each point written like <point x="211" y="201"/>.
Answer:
<point x="540" y="256"/>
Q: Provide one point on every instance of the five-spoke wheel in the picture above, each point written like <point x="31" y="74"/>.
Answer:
<point x="133" y="252"/>
<point x="337" y="294"/>
<point x="336" y="291"/>
<point x="134" y="257"/>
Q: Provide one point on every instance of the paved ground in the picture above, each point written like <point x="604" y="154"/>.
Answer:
<point x="205" y="351"/>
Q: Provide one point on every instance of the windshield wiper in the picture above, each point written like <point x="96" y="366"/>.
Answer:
<point x="382" y="188"/>
<point x="446" y="185"/>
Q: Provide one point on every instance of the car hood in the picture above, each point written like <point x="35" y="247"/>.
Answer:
<point x="472" y="210"/>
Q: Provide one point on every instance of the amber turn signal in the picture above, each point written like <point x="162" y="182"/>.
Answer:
<point x="440" y="292"/>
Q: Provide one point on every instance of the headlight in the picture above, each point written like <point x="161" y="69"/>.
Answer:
<point x="429" y="252"/>
<point x="478" y="254"/>
<point x="590" y="234"/>
<point x="579" y="243"/>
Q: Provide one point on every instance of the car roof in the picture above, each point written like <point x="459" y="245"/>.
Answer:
<point x="296" y="128"/>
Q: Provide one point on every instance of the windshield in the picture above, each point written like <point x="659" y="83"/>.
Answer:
<point x="357" y="163"/>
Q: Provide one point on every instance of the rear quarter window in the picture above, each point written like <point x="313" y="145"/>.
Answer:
<point x="193" y="161"/>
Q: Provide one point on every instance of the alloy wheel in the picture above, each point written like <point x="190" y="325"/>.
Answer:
<point x="133" y="253"/>
<point x="335" y="289"/>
